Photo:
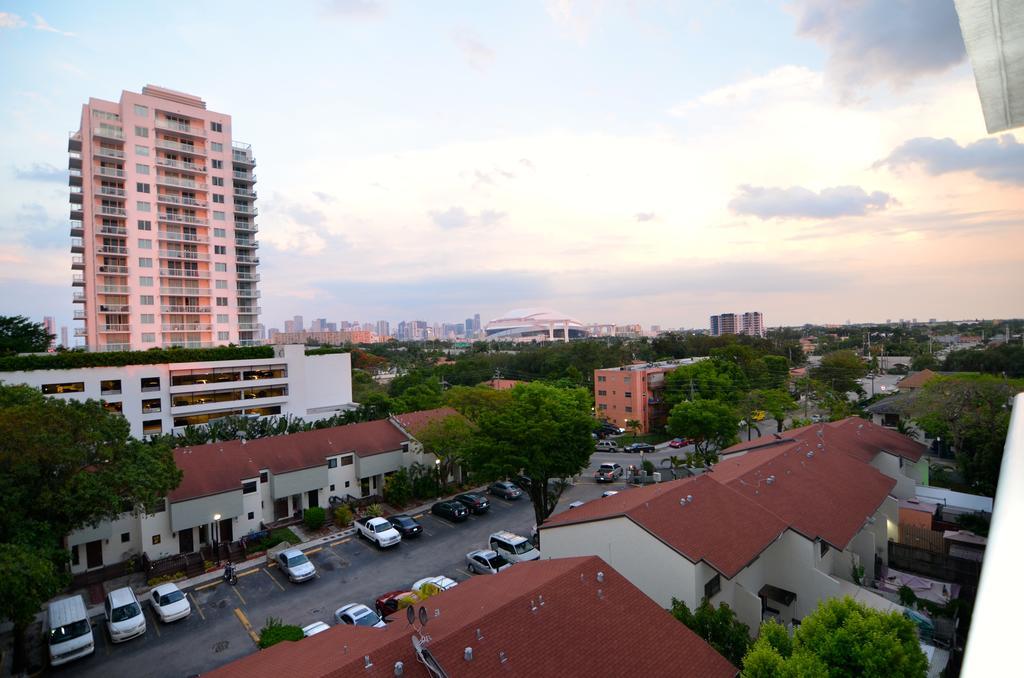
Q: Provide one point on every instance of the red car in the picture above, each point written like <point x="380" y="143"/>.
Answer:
<point x="393" y="601"/>
<point x="678" y="442"/>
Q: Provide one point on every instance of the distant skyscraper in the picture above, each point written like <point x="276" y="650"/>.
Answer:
<point x="297" y="324"/>
<point x="716" y="329"/>
<point x="725" y="323"/>
<point x="753" y="324"/>
<point x="289" y="326"/>
<point x="146" y="174"/>
<point x="383" y="328"/>
<point x="318" y="325"/>
<point x="51" y="329"/>
<point x="331" y="327"/>
<point x="272" y="332"/>
<point x="64" y="336"/>
<point x="476" y="324"/>
<point x="469" y="327"/>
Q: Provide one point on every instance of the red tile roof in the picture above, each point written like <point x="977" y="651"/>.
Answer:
<point x="221" y="467"/>
<point x="546" y="617"/>
<point x="857" y="437"/>
<point x="414" y="422"/>
<point x="720" y="526"/>
<point x="916" y="380"/>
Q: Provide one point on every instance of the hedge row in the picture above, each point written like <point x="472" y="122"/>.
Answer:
<point x="154" y="356"/>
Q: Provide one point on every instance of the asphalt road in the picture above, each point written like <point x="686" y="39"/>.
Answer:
<point x="349" y="570"/>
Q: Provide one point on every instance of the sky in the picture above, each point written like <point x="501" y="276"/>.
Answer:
<point x="621" y="162"/>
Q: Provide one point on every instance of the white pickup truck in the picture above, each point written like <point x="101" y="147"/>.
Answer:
<point x="378" y="530"/>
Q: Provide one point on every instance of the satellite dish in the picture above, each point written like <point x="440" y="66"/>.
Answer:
<point x="410" y="614"/>
<point x="424" y="617"/>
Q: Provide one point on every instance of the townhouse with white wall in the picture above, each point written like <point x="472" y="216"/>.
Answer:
<point x="166" y="397"/>
<point x="233" y="488"/>
<point x="770" y="532"/>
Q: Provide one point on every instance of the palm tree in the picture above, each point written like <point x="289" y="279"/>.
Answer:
<point x="675" y="463"/>
<point x="634" y="426"/>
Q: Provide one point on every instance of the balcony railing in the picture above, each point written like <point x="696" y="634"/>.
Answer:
<point x="181" y="237"/>
<point x="79" y="315"/>
<point x="77" y="245"/>
<point x="165" y="180"/>
<point x="113" y="289"/>
<point x="248" y="294"/>
<point x="181" y="218"/>
<point x="108" y="132"/>
<point x="78" y="297"/>
<point x="81" y="332"/>
<point x="169" y="145"/>
<point x="186" y="291"/>
<point x="194" y="344"/>
<point x="246" y="242"/>
<point x="250" y="310"/>
<point x="106" y="229"/>
<point x="183" y="273"/>
<point x="248" y="277"/>
<point x="106" y="152"/>
<point x="180" y="127"/>
<point x="113" y="211"/>
<point x="245" y="209"/>
<point x="186" y="309"/>
<point x="245" y="193"/>
<point x="114" y="347"/>
<point x="110" y="172"/>
<point x="113" y="270"/>
<point x="248" y="327"/>
<point x="246" y="259"/>
<point x="78" y="262"/>
<point x="246" y="226"/>
<point x="179" y="200"/>
<point x="180" y="165"/>
<point x="112" y="249"/>
<point x="182" y="254"/>
<point x="115" y="328"/>
<point x="243" y="176"/>
<point x="114" y="308"/>
<point x="109" y="190"/>
<point x="250" y="342"/>
<point x="78" y="280"/>
<point x="76" y="228"/>
<point x="187" y="327"/>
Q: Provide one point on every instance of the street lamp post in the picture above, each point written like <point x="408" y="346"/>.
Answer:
<point x="437" y="470"/>
<point x="216" y="533"/>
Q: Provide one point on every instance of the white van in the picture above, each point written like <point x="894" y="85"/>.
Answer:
<point x="512" y="547"/>
<point x="70" y="633"/>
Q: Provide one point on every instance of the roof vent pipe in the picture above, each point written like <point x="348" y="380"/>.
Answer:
<point x="467" y="654"/>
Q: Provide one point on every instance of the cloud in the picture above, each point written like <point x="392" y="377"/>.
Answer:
<point x="1000" y="160"/>
<point x="802" y="203"/>
<point x="38" y="229"/>
<point x="324" y="197"/>
<point x="576" y="18"/>
<point x="42" y="172"/>
<point x="478" y="55"/>
<point x="790" y="82"/>
<point x="358" y="9"/>
<point x="882" y="41"/>
<point x="42" y="25"/>
<point x="456" y="217"/>
<point x="645" y="216"/>
<point x="8" y="20"/>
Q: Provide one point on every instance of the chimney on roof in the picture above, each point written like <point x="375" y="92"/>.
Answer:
<point x="399" y="668"/>
<point x="366" y="661"/>
<point x="467" y="654"/>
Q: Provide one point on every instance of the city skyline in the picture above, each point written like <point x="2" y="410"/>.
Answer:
<point x="805" y="171"/>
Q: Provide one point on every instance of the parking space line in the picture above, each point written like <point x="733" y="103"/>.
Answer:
<point x="428" y="532"/>
<point x="273" y="579"/>
<point x="248" y="572"/>
<point x="506" y="503"/>
<point x="418" y="516"/>
<point x="213" y="583"/>
<point x="198" y="608"/>
<point x="462" y="571"/>
<point x="316" y="550"/>
<point x="448" y="525"/>
<point x="367" y="545"/>
<point x="156" y="622"/>
<point x="247" y="626"/>
<point x="237" y="593"/>
<point x="342" y="541"/>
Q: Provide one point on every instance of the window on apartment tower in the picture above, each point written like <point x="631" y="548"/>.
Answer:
<point x="141" y="150"/>
<point x="218" y="198"/>
<point x="145" y="244"/>
<point x="145" y="225"/>
<point x="220" y="249"/>
<point x="145" y="262"/>
<point x="223" y="336"/>
<point x="145" y="281"/>
<point x="217" y="181"/>
<point x="249" y="487"/>
<point x="141" y="169"/>
<point x="628" y="394"/>
<point x="220" y="284"/>
<point x="216" y="147"/>
<point x="601" y="378"/>
<point x="219" y="232"/>
<point x="146" y="300"/>
<point x="216" y="127"/>
<point x="141" y="188"/>
<point x="217" y="164"/>
<point x="220" y="268"/>
<point x="148" y="337"/>
<point x="146" y="318"/>
<point x="713" y="586"/>
<point x="222" y="301"/>
<point x="141" y="110"/>
<point x="222" y="317"/>
<point x="602" y="393"/>
<point x="141" y="131"/>
<point x="218" y="216"/>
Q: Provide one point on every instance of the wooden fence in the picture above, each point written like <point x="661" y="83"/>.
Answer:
<point x="922" y="538"/>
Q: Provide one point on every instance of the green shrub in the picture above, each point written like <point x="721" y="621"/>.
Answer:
<point x="398" y="488"/>
<point x="76" y="359"/>
<point x="648" y="466"/>
<point x="375" y="510"/>
<point x="314" y="518"/>
<point x="275" y="631"/>
<point x="343" y="516"/>
<point x="907" y="596"/>
<point x="273" y="539"/>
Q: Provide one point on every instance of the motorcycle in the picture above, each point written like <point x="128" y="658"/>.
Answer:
<point x="230" y="576"/>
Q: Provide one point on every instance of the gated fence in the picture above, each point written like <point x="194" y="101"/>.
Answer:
<point x="934" y="564"/>
<point x="922" y="537"/>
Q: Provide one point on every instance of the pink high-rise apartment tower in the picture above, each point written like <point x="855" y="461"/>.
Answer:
<point x="162" y="225"/>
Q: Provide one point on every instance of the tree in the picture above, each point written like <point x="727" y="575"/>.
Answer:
<point x="840" y="370"/>
<point x="449" y="440"/>
<point x="425" y="396"/>
<point x="711" y="425"/>
<point x="841" y="638"/>
<point x="398" y="488"/>
<point x="778" y="403"/>
<point x="634" y="426"/>
<point x="708" y="380"/>
<point x="674" y="463"/>
<point x="18" y="334"/>
<point x="543" y="433"/>
<point x="65" y="464"/>
<point x="472" y="401"/>
<point x="973" y="415"/>
<point x="718" y="626"/>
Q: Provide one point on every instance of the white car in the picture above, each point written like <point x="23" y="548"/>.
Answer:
<point x="442" y="583"/>
<point x="314" y="628"/>
<point x="485" y="562"/>
<point x="169" y="603"/>
<point x="124" y="615"/>
<point x="296" y="565"/>
<point x="357" y="614"/>
<point x="609" y="493"/>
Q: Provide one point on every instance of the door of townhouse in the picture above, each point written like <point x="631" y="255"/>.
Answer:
<point x="225" y="531"/>
<point x="94" y="554"/>
<point x="314" y="498"/>
<point x="185" y="541"/>
<point x="364" y="487"/>
<point x="297" y="504"/>
<point x="281" y="508"/>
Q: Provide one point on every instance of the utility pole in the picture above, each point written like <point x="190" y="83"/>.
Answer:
<point x="691" y="388"/>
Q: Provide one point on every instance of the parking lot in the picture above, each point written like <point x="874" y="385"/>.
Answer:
<point x="226" y="620"/>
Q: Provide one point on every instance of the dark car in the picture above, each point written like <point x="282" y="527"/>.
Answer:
<point x="609" y="429"/>
<point x="406" y="525"/>
<point x="647" y="448"/>
<point x="505" y="489"/>
<point x="452" y="510"/>
<point x="393" y="601"/>
<point x="476" y="503"/>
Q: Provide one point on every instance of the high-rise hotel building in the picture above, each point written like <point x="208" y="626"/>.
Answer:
<point x="162" y="225"/>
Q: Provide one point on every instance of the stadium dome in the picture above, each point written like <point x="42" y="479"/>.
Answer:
<point x="534" y="324"/>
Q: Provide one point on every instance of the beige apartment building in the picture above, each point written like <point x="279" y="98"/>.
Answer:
<point x="162" y="225"/>
<point x="634" y="392"/>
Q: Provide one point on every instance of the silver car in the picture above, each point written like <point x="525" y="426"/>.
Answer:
<point x="124" y="615"/>
<point x="357" y="614"/>
<point x="296" y="565"/>
<point x="485" y="561"/>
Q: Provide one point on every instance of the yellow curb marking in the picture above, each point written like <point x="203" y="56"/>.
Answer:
<point x="247" y="626"/>
<point x="198" y="608"/>
<point x="274" y="579"/>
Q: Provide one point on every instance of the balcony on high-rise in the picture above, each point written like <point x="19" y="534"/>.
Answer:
<point x="181" y="165"/>
<point x="241" y="153"/>
<point x="180" y="127"/>
<point x="191" y="149"/>
<point x="108" y="132"/>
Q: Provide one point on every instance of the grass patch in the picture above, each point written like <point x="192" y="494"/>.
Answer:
<point x="650" y="438"/>
<point x="273" y="539"/>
